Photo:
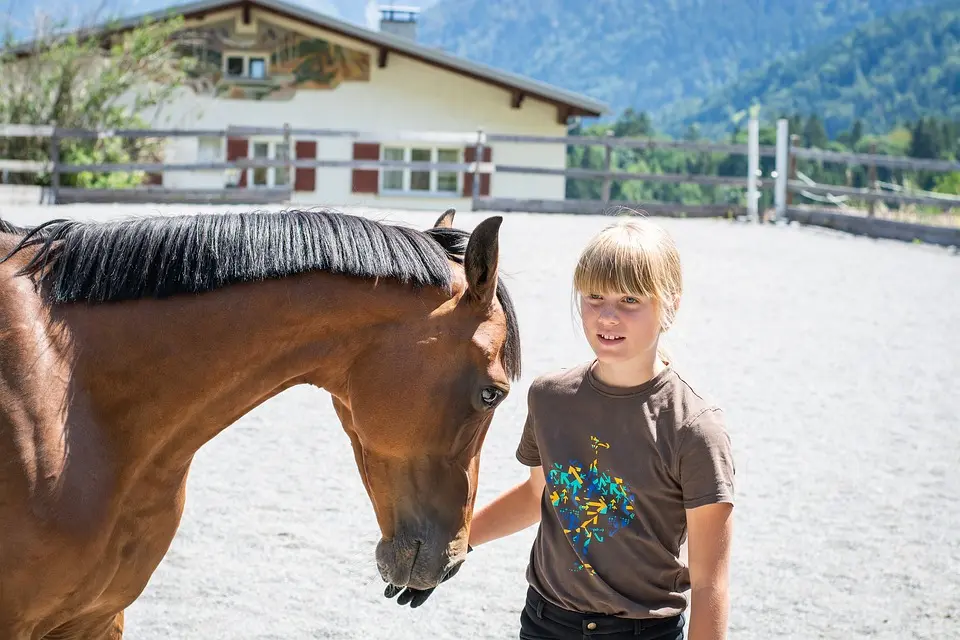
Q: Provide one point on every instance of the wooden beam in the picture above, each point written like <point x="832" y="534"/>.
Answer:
<point x="382" y="55"/>
<point x="945" y="201"/>
<point x="875" y="227"/>
<point x="563" y="114"/>
<point x="628" y="142"/>
<point x="246" y="13"/>
<point x="517" y="99"/>
<point x="598" y="174"/>
<point x="879" y="160"/>
<point x="593" y="207"/>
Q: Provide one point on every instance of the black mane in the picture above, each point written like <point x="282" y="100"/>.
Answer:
<point x="8" y="227"/>
<point x="157" y="257"/>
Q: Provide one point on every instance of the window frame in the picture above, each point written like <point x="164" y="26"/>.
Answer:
<point x="406" y="172"/>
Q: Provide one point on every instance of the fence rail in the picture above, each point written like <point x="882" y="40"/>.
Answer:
<point x="797" y="186"/>
<point x="877" y="160"/>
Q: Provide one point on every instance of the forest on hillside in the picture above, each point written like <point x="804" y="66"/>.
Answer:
<point x="659" y="57"/>
<point x="890" y="71"/>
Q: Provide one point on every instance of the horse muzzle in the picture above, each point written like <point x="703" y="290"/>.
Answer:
<point x="417" y="563"/>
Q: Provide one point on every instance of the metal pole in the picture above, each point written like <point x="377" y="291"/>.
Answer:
<point x="780" y="188"/>
<point x="753" y="168"/>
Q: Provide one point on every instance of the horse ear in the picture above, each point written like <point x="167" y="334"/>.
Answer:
<point x="481" y="261"/>
<point x="446" y="220"/>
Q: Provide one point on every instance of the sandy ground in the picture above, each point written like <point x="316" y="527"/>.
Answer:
<point x="837" y="359"/>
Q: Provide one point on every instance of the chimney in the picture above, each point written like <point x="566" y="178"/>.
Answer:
<point x="399" y="20"/>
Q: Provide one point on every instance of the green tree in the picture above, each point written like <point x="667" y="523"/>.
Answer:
<point x="109" y="80"/>
<point x="814" y="134"/>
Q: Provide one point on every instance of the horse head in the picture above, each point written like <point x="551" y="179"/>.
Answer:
<point x="419" y="402"/>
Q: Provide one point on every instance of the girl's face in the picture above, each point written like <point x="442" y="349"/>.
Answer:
<point x="620" y="327"/>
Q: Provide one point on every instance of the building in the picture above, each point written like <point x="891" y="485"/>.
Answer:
<point x="268" y="63"/>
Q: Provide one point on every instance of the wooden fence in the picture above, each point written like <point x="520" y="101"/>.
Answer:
<point x="60" y="194"/>
<point x="835" y="214"/>
<point x="785" y="182"/>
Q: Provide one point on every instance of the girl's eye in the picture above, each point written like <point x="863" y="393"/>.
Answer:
<point x="595" y="296"/>
<point x="631" y="300"/>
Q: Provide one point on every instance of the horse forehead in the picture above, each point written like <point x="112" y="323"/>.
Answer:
<point x="486" y="333"/>
<point x="490" y="335"/>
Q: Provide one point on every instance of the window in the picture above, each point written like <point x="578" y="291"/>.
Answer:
<point x="235" y="66"/>
<point x="209" y="149"/>
<point x="281" y="175"/>
<point x="268" y="176"/>
<point x="420" y="180"/>
<point x="447" y="180"/>
<point x="258" y="68"/>
<point x="260" y="150"/>
<point x="393" y="178"/>
<point x="252" y="66"/>
<point x="425" y="181"/>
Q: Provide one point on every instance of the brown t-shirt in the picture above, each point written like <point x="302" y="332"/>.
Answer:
<point x="622" y="465"/>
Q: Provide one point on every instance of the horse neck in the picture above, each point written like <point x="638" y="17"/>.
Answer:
<point x="166" y="376"/>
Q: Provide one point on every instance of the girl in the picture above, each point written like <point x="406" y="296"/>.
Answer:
<point x="627" y="463"/>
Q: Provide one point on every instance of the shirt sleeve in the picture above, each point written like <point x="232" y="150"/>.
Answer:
<point x="528" y="451"/>
<point x="705" y="461"/>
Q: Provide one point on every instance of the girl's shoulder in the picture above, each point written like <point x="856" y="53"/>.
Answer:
<point x="561" y="381"/>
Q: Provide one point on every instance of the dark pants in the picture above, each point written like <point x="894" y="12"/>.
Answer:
<point x="541" y="620"/>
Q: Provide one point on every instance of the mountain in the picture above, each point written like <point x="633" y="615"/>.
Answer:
<point x="648" y="55"/>
<point x="892" y="70"/>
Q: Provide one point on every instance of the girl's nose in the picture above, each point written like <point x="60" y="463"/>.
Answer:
<point x="608" y="315"/>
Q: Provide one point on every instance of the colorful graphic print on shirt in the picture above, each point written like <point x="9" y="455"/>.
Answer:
<point x="592" y="505"/>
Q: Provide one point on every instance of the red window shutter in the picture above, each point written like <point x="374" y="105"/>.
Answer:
<point x="237" y="148"/>
<point x="366" y="180"/>
<point x="305" y="179"/>
<point x="469" y="154"/>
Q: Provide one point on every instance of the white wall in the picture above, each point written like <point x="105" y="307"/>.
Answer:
<point x="405" y="96"/>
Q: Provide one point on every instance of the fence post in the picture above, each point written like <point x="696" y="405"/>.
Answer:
<point x="290" y="158"/>
<point x="608" y="161"/>
<point x="477" y="159"/>
<point x="753" y="168"/>
<point x="872" y="182"/>
<point x="55" y="164"/>
<point x="792" y="164"/>
<point x="780" y="187"/>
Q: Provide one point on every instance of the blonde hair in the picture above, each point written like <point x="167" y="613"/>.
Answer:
<point x="634" y="256"/>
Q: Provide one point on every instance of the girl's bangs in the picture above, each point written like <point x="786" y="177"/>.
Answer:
<point x="610" y="267"/>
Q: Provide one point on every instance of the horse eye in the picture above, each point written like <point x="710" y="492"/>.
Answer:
<point x="490" y="395"/>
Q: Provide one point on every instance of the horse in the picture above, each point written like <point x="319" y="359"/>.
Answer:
<point x="127" y="345"/>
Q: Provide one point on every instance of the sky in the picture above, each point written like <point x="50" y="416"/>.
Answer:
<point x="19" y="15"/>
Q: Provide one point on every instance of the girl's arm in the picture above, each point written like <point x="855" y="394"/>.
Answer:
<point x="709" y="534"/>
<point x="513" y="510"/>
